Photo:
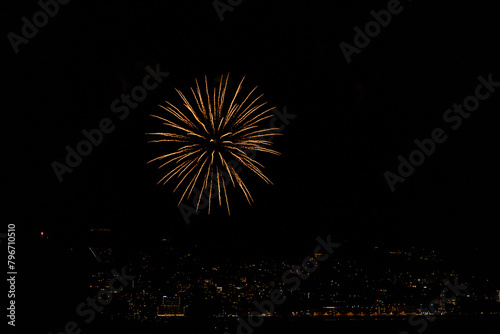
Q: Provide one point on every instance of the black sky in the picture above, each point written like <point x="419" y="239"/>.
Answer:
<point x="353" y="120"/>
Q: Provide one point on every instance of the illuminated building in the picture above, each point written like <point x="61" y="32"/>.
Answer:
<point x="171" y="307"/>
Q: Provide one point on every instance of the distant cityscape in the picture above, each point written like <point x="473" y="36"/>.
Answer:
<point x="388" y="283"/>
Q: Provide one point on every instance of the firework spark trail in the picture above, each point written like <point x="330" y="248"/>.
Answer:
<point x="211" y="135"/>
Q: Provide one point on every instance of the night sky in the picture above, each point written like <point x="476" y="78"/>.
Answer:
<point x="352" y="122"/>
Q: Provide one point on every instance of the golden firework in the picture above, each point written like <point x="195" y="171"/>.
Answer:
<point x="212" y="139"/>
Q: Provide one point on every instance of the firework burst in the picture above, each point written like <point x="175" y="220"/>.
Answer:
<point x="213" y="135"/>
